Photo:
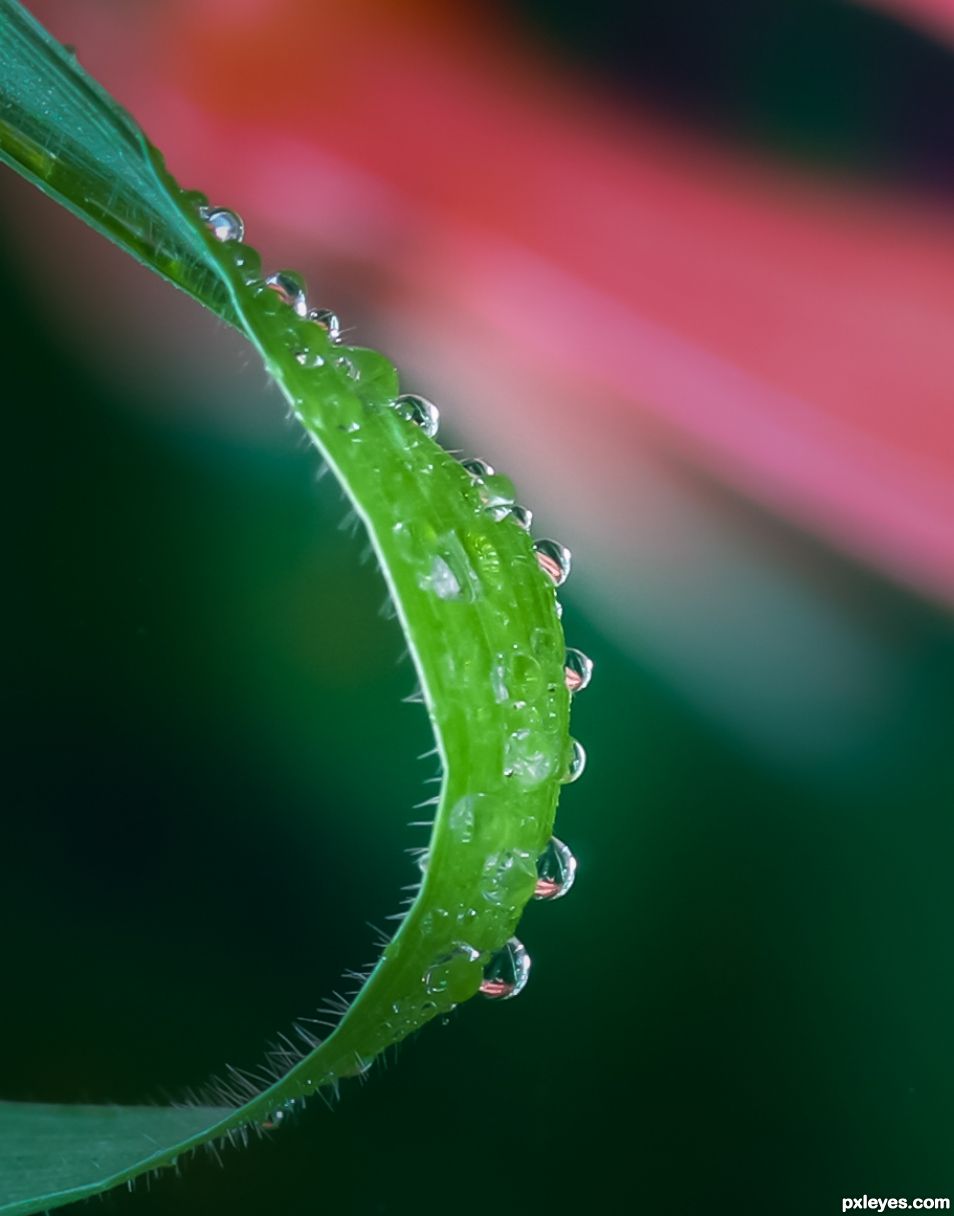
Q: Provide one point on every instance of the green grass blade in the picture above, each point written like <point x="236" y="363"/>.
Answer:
<point x="61" y="130"/>
<point x="53" y="1155"/>
<point x="478" y="613"/>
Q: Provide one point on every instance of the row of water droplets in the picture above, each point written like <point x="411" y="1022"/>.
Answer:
<point x="508" y="969"/>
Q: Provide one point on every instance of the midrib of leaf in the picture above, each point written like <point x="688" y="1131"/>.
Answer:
<point x="424" y="515"/>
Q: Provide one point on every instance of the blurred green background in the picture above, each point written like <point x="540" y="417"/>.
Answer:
<point x="747" y="1004"/>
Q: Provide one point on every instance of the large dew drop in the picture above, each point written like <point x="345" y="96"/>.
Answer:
<point x="507" y="972"/>
<point x="420" y="411"/>
<point x="224" y="225"/>
<point x="554" y="560"/>
<point x="577" y="669"/>
<point x="556" y="871"/>
<point x="290" y="288"/>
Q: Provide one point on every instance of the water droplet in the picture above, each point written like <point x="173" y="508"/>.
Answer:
<point x="477" y="468"/>
<point x="507" y="972"/>
<point x="525" y="676"/>
<point x="556" y="871"/>
<point x="530" y="758"/>
<point x="462" y="818"/>
<point x="577" y="762"/>
<point x="508" y="878"/>
<point x="442" y="580"/>
<point x="309" y="358"/>
<point x="497" y="494"/>
<point x="224" y="225"/>
<point x="554" y="560"/>
<point x="578" y="669"/>
<point x="272" y="1120"/>
<point x="420" y="411"/>
<point x="522" y="516"/>
<point x="328" y="319"/>
<point x="290" y="289"/>
<point x="451" y="968"/>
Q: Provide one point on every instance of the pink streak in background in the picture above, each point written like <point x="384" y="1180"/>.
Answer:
<point x="793" y="336"/>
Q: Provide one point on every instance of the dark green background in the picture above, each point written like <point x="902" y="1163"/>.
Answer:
<point x="746" y="1005"/>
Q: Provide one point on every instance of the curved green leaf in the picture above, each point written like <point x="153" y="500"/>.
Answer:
<point x="478" y="612"/>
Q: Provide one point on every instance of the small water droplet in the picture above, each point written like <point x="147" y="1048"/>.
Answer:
<point x="508" y="877"/>
<point x="577" y="762"/>
<point x="442" y="580"/>
<point x="309" y="358"/>
<point x="420" y="411"/>
<point x="477" y="468"/>
<point x="524" y="676"/>
<point x="554" y="560"/>
<point x="578" y="669"/>
<point x="521" y="516"/>
<point x="497" y="494"/>
<point x="224" y="225"/>
<point x="507" y="972"/>
<point x="272" y="1120"/>
<point x="450" y="969"/>
<point x="530" y="758"/>
<point x="328" y="320"/>
<point x="556" y="871"/>
<point x="463" y="817"/>
<point x="290" y="289"/>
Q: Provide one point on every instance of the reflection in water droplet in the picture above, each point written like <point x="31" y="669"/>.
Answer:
<point x="554" y="560"/>
<point x="578" y="669"/>
<point x="290" y="288"/>
<point x="577" y="762"/>
<point x="556" y="871"/>
<point x="477" y="468"/>
<point x="420" y="411"/>
<point x="522" y="516"/>
<point x="325" y="317"/>
<point x="507" y="972"/>
<point x="224" y="225"/>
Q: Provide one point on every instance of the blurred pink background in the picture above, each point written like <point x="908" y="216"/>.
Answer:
<point x="672" y="340"/>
